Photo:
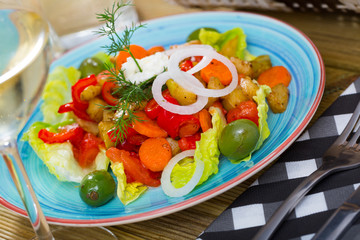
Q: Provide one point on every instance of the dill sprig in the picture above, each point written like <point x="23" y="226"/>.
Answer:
<point x="130" y="95"/>
<point x="118" y="43"/>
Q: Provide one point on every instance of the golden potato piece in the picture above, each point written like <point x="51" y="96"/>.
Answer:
<point x="233" y="99"/>
<point x="96" y="109"/>
<point x="214" y="83"/>
<point x="104" y="127"/>
<point x="175" y="149"/>
<point x="183" y="96"/>
<point x="260" y="64"/>
<point x="229" y="48"/>
<point x="278" y="98"/>
<point x="88" y="126"/>
<point x="242" y="66"/>
<point x="90" y="92"/>
<point x="248" y="87"/>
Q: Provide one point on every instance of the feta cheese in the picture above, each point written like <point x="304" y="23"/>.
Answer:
<point x="151" y="66"/>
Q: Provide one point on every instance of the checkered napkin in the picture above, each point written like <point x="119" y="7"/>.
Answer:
<point x="251" y="210"/>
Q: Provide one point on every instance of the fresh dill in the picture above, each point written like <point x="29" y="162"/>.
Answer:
<point x="118" y="43"/>
<point x="130" y="95"/>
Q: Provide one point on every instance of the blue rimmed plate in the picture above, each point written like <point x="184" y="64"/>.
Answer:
<point x="286" y="45"/>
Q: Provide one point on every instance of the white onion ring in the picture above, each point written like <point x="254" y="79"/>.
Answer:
<point x="159" y="81"/>
<point x="166" y="184"/>
<point x="188" y="81"/>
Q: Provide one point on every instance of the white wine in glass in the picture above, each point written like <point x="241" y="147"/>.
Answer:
<point x="25" y="58"/>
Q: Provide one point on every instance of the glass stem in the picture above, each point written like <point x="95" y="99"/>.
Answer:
<point x="11" y="156"/>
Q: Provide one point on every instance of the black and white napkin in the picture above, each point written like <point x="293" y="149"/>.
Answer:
<point x="245" y="216"/>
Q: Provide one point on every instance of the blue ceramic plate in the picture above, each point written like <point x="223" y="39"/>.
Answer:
<point x="287" y="46"/>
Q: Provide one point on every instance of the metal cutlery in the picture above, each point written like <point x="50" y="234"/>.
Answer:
<point x="341" y="219"/>
<point x="342" y="155"/>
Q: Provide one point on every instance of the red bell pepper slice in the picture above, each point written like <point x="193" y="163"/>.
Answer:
<point x="72" y="133"/>
<point x="69" y="107"/>
<point x="132" y="167"/>
<point x="152" y="109"/>
<point x="187" y="143"/>
<point x="171" y="122"/>
<point x="245" y="110"/>
<point x="88" y="150"/>
<point x="106" y="93"/>
<point x="186" y="65"/>
<point x="78" y="87"/>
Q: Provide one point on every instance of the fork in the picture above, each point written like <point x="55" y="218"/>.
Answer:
<point x="342" y="155"/>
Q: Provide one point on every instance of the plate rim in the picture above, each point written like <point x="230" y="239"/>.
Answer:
<point x="221" y="188"/>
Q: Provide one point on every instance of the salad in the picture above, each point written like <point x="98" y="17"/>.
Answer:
<point x="157" y="117"/>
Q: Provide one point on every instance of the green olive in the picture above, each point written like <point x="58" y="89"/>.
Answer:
<point x="195" y="34"/>
<point x="91" y="66"/>
<point x="238" y="139"/>
<point x="97" y="188"/>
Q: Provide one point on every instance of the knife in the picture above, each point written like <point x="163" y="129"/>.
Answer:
<point x="341" y="219"/>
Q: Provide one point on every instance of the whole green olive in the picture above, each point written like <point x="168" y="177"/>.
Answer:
<point x="238" y="139"/>
<point x="91" y="66"/>
<point x="97" y="188"/>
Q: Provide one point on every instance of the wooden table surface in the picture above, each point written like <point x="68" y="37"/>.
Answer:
<point x="337" y="37"/>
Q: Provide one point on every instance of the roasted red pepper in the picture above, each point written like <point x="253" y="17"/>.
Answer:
<point x="78" y="87"/>
<point x="73" y="133"/>
<point x="187" y="143"/>
<point x="152" y="109"/>
<point x="171" y="122"/>
<point x="106" y="93"/>
<point x="88" y="150"/>
<point x="245" y="110"/>
<point x="186" y="65"/>
<point x="133" y="167"/>
<point x="69" y="107"/>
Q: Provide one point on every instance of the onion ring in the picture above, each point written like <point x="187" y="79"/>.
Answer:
<point x="159" y="81"/>
<point x="166" y="184"/>
<point x="188" y="81"/>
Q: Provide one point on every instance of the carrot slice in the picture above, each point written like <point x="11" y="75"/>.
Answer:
<point x="205" y="120"/>
<point x="155" y="153"/>
<point x="137" y="51"/>
<point x="147" y="127"/>
<point x="275" y="76"/>
<point x="155" y="49"/>
<point x="216" y="69"/>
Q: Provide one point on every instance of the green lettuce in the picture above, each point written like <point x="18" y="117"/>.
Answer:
<point x="207" y="150"/>
<point x="231" y="43"/>
<point x="59" y="157"/>
<point x="126" y="192"/>
<point x="57" y="91"/>
<point x="262" y="108"/>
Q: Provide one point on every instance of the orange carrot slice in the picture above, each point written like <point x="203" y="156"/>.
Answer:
<point x="275" y="76"/>
<point x="216" y="69"/>
<point x="147" y="127"/>
<point x="155" y="153"/>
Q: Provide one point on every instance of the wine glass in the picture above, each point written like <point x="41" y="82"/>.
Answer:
<point x="26" y="53"/>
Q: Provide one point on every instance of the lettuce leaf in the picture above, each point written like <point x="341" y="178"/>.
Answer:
<point x="57" y="91"/>
<point x="126" y="192"/>
<point x="206" y="150"/>
<point x="262" y="108"/>
<point x="231" y="43"/>
<point x="59" y="157"/>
